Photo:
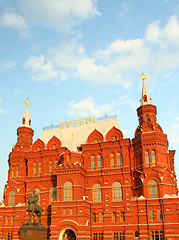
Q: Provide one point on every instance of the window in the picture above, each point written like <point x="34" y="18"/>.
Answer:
<point x="68" y="191"/>
<point x="71" y="211"/>
<point x="118" y="235"/>
<point x="35" y="169"/>
<point x="51" y="167"/>
<point x="99" y="162"/>
<point x="17" y="172"/>
<point x="101" y="217"/>
<point x="7" y="236"/>
<point x="118" y="160"/>
<point x="12" y="220"/>
<point x="136" y="234"/>
<point x="156" y="235"/>
<point x="147" y="161"/>
<point x="93" y="217"/>
<point x="6" y="220"/>
<point x="159" y="216"/>
<point x="151" y="215"/>
<point x="68" y="158"/>
<point x="13" y="172"/>
<point x="93" y="163"/>
<point x="12" y="199"/>
<point x="112" y="161"/>
<point x="98" y="236"/>
<point x="116" y="192"/>
<point x="153" y="189"/>
<point x="37" y="191"/>
<point x="52" y="193"/>
<point x="122" y="216"/>
<point x="64" y="211"/>
<point x="147" y="118"/>
<point x="54" y="146"/>
<point x="154" y="158"/>
<point x="97" y="193"/>
<point x="40" y="168"/>
<point x="114" y="217"/>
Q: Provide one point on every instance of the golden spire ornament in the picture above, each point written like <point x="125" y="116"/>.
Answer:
<point x="27" y="101"/>
<point x="143" y="76"/>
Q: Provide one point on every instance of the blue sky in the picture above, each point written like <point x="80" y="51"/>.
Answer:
<point x="77" y="58"/>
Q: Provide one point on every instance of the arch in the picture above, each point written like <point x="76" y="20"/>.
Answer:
<point x="13" y="172"/>
<point x="17" y="172"/>
<point x="38" y="145"/>
<point x="11" y="199"/>
<point x="67" y="233"/>
<point x="37" y="191"/>
<point x="52" y="194"/>
<point x="54" y="142"/>
<point x="153" y="189"/>
<point x="97" y="193"/>
<point x="40" y="168"/>
<point x="68" y="191"/>
<point x="51" y="166"/>
<point x="114" y="134"/>
<point x="116" y="192"/>
<point x="35" y="169"/>
<point x="95" y="136"/>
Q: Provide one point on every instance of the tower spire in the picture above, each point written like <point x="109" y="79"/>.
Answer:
<point x="145" y="98"/>
<point x="26" y="122"/>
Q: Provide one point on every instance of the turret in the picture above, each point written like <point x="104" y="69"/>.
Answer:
<point x="25" y="132"/>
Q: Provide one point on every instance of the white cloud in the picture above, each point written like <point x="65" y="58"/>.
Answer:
<point x="42" y="71"/>
<point x="173" y="132"/>
<point x="58" y="14"/>
<point x="8" y="64"/>
<point x="17" y="92"/>
<point x="87" y="107"/>
<point x="13" y="20"/>
<point x="126" y="100"/>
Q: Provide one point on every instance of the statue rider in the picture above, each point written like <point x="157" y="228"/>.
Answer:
<point x="33" y="199"/>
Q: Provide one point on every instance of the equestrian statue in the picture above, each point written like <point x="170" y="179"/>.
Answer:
<point x="33" y="207"/>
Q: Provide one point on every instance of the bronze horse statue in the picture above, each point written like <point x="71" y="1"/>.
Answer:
<point x="33" y="207"/>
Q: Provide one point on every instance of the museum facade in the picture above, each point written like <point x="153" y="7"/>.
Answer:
<point x="93" y="183"/>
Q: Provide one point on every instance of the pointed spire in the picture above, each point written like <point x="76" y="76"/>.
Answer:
<point x="145" y="98"/>
<point x="26" y="122"/>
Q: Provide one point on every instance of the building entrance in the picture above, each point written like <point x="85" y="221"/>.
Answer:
<point x="69" y="235"/>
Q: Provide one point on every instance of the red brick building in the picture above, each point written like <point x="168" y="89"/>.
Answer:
<point x="92" y="182"/>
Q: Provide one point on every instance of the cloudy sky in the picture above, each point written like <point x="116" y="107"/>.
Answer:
<point x="77" y="58"/>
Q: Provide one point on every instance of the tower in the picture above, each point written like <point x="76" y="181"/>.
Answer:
<point x="154" y="168"/>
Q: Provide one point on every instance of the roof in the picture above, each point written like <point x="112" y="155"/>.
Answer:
<point x="73" y="136"/>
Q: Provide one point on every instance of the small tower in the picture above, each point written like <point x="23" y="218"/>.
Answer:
<point x="153" y="161"/>
<point x="25" y="132"/>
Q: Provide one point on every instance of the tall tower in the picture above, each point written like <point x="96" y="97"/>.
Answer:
<point x="154" y="163"/>
<point x="18" y="161"/>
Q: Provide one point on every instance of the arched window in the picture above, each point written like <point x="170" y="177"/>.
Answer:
<point x="12" y="220"/>
<point x="99" y="162"/>
<point x="12" y="199"/>
<point x="35" y="169"/>
<point x="153" y="158"/>
<point x="97" y="196"/>
<point x="147" y="118"/>
<point x="119" y="160"/>
<point x="13" y="172"/>
<point x="40" y="168"/>
<point x="116" y="192"/>
<point x="51" y="167"/>
<point x="93" y="163"/>
<point x="17" y="172"/>
<point x="37" y="191"/>
<point x="147" y="161"/>
<point x="68" y="158"/>
<point x="52" y="194"/>
<point x="153" y="189"/>
<point x="68" y="191"/>
<point x="112" y="160"/>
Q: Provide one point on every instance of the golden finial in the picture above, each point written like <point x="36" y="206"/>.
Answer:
<point x="27" y="101"/>
<point x="143" y="76"/>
